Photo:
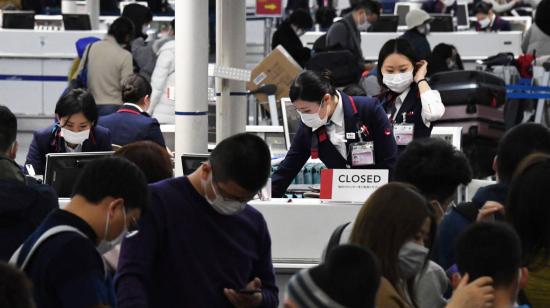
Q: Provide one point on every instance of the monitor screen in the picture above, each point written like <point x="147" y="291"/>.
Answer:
<point x="401" y="10"/>
<point x="190" y="162"/>
<point x="385" y="23"/>
<point x="291" y="120"/>
<point x="63" y="169"/>
<point x="441" y="23"/>
<point x="462" y="16"/>
<point x="75" y="22"/>
<point x="18" y="20"/>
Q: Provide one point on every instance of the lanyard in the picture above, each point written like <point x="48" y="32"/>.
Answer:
<point x="128" y="111"/>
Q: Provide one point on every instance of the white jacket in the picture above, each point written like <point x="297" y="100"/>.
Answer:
<point x="163" y="77"/>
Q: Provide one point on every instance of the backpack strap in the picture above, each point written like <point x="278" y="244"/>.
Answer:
<point x="335" y="237"/>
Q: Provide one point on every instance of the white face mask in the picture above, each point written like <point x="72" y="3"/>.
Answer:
<point x="145" y="28"/>
<point x="484" y="23"/>
<point x="106" y="245"/>
<point x="74" y="137"/>
<point x="313" y="120"/>
<point x="398" y="83"/>
<point x="364" y="26"/>
<point x="448" y="3"/>
<point x="412" y="257"/>
<point x="219" y="203"/>
<point x="424" y="29"/>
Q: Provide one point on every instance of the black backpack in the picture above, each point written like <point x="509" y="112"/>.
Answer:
<point x="335" y="237"/>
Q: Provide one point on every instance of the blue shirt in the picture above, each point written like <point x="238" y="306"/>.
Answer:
<point x="66" y="270"/>
<point x="186" y="253"/>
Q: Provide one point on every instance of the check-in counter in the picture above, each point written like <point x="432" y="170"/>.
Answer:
<point x="470" y="45"/>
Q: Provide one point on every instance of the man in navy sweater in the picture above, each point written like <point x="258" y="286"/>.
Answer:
<point x="201" y="245"/>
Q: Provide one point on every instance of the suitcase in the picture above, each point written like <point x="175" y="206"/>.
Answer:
<point x="476" y="120"/>
<point x="469" y="88"/>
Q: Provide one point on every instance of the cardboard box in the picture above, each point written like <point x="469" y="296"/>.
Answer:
<point x="278" y="68"/>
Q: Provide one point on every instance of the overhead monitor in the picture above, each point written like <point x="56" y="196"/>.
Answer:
<point x="401" y="9"/>
<point x="441" y="23"/>
<point x="63" y="169"/>
<point x="76" y="22"/>
<point x="291" y="120"/>
<point x="18" y="20"/>
<point x="385" y="23"/>
<point x="192" y="161"/>
<point x="462" y="16"/>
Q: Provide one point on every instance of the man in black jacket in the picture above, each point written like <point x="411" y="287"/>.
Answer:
<point x="23" y="202"/>
<point x="288" y="35"/>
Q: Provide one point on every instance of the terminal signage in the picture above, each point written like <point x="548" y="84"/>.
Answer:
<point x="273" y="8"/>
<point x="351" y="185"/>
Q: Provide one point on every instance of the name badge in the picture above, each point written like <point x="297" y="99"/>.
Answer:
<point x="362" y="154"/>
<point x="403" y="133"/>
<point x="350" y="136"/>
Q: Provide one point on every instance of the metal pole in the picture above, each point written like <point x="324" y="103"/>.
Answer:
<point x="93" y="10"/>
<point x="191" y="91"/>
<point x="230" y="52"/>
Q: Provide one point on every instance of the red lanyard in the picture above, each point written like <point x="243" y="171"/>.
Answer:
<point x="128" y="111"/>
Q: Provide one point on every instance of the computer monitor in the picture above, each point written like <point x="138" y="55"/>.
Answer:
<point x="63" y="169"/>
<point x="191" y="161"/>
<point x="401" y="9"/>
<point x="76" y="22"/>
<point x="441" y="23"/>
<point x="385" y="23"/>
<point x="462" y="16"/>
<point x="291" y="120"/>
<point x="18" y="20"/>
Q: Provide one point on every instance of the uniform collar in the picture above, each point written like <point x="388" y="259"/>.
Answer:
<point x="403" y="95"/>
<point x="134" y="106"/>
<point x="338" y="114"/>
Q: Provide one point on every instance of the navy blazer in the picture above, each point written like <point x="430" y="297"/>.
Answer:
<point x="370" y="114"/>
<point x="48" y="140"/>
<point x="129" y="125"/>
<point x="412" y="107"/>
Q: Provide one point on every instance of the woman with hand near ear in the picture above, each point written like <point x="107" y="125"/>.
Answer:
<point x="410" y="104"/>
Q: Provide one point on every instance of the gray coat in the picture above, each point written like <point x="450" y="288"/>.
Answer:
<point x="537" y="40"/>
<point x="345" y="34"/>
<point x="144" y="56"/>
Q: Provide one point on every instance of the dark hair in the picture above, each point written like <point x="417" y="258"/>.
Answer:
<point x="77" y="100"/>
<point x="139" y="15"/>
<point x="114" y="177"/>
<point x="400" y="46"/>
<point x="528" y="210"/>
<point x="15" y="288"/>
<point x="517" y="144"/>
<point x="354" y="90"/>
<point x="310" y="86"/>
<point x="135" y="88"/>
<point x="301" y="19"/>
<point x="173" y="25"/>
<point x="367" y="5"/>
<point x="151" y="158"/>
<point x="489" y="249"/>
<point x="439" y="56"/>
<point x="325" y="17"/>
<point x="244" y="159"/>
<point x="542" y="16"/>
<point x="8" y="129"/>
<point x="373" y="7"/>
<point x="482" y="7"/>
<point x="122" y="29"/>
<point x="350" y="276"/>
<point x="390" y="217"/>
<point x="435" y="167"/>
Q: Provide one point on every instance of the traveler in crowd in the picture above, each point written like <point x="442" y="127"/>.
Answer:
<point x="324" y="17"/>
<point x="409" y="101"/>
<point x="131" y="122"/>
<point x="62" y="257"/>
<point x="440" y="6"/>
<point x="151" y="158"/>
<point x="75" y="130"/>
<point x="288" y="35"/>
<point x="109" y="64"/>
<point x="537" y="38"/>
<point x="501" y="7"/>
<point x="528" y="212"/>
<point x="418" y="26"/>
<point x="162" y="108"/>
<point x="493" y="250"/>
<point x="334" y="128"/>
<point x="444" y="58"/>
<point x="142" y="52"/>
<point x="513" y="147"/>
<point x="15" y="288"/>
<point x="25" y="202"/>
<point x="487" y="20"/>
<point x="203" y="222"/>
<point x="349" y="277"/>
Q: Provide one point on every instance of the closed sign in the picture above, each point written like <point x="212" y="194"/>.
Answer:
<point x="351" y="185"/>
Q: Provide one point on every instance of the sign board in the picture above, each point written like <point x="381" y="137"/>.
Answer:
<point x="272" y="8"/>
<point x="351" y="185"/>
